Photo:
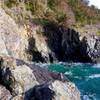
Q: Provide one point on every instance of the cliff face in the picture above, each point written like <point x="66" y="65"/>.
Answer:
<point x="10" y="39"/>
<point x="20" y="80"/>
<point x="46" y="43"/>
<point x="90" y="34"/>
<point x="22" y="41"/>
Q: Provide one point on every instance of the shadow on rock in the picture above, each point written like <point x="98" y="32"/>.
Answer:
<point x="40" y="92"/>
<point x="65" y="44"/>
<point x="32" y="50"/>
<point x="5" y="76"/>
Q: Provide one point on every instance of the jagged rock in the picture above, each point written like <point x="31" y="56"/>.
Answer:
<point x="4" y="93"/>
<point x="42" y="44"/>
<point x="90" y="41"/>
<point x="65" y="91"/>
<point x="71" y="44"/>
<point x="17" y="78"/>
<point x="56" y="90"/>
<point x="37" y="46"/>
<point x="22" y="78"/>
<point x="42" y="92"/>
<point x="92" y="47"/>
<point x="19" y="97"/>
<point x="13" y="38"/>
<point x="65" y="44"/>
<point x="9" y="35"/>
<point x="21" y="42"/>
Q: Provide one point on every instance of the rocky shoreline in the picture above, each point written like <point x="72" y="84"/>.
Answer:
<point x="20" y="80"/>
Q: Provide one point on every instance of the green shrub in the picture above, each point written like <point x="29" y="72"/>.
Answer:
<point x="42" y="22"/>
<point x="98" y="33"/>
<point x="11" y="3"/>
<point x="61" y="17"/>
<point x="30" y="7"/>
<point x="52" y="4"/>
<point x="83" y="13"/>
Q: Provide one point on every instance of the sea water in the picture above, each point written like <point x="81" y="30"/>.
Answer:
<point x="85" y="76"/>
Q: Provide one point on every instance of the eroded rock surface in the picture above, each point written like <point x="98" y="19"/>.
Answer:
<point x="22" y="80"/>
<point x="31" y="81"/>
<point x="9" y="35"/>
<point x="47" y="43"/>
<point x="4" y="93"/>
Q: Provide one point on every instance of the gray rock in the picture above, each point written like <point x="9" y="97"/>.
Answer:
<point x="22" y="78"/>
<point x="18" y="79"/>
<point x="56" y="90"/>
<point x="93" y="48"/>
<point x="4" y="93"/>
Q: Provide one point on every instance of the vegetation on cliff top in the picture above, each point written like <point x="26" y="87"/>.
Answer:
<point x="63" y="12"/>
<point x="84" y="14"/>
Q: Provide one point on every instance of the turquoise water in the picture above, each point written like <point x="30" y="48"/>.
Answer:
<point x="85" y="76"/>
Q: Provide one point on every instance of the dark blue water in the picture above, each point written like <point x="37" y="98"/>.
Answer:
<point x="85" y="76"/>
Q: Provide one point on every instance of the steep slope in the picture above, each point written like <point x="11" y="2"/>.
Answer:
<point x="63" y="12"/>
<point x="44" y="31"/>
<point x="21" y="80"/>
<point x="18" y="41"/>
<point x="47" y="43"/>
<point x="9" y="34"/>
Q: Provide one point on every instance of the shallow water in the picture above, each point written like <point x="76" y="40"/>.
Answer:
<point x="85" y="76"/>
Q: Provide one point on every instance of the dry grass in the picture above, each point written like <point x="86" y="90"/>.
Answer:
<point x="49" y="10"/>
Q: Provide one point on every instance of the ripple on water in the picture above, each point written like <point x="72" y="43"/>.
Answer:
<point x="85" y="76"/>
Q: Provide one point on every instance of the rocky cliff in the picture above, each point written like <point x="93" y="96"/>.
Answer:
<point x="47" y="43"/>
<point x="23" y="42"/>
<point x="19" y="78"/>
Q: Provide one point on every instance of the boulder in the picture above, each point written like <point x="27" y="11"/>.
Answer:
<point x="29" y="81"/>
<point x="17" y="78"/>
<point x="56" y="90"/>
<point x="65" y="91"/>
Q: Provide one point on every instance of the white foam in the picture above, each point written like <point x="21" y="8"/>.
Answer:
<point x="68" y="73"/>
<point x="87" y="97"/>
<point x="97" y="65"/>
<point x="94" y="76"/>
